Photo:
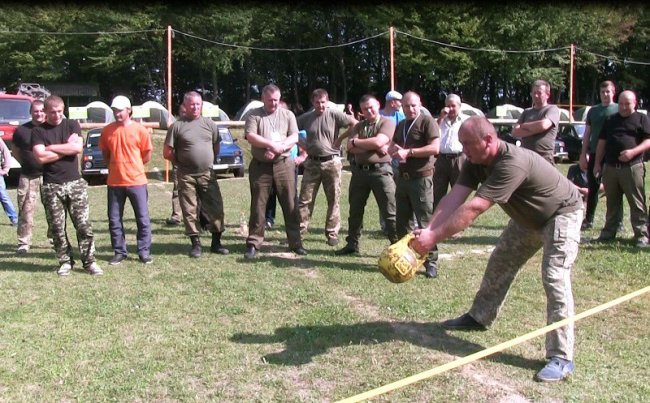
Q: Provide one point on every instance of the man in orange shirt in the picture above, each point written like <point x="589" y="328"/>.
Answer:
<point x="126" y="146"/>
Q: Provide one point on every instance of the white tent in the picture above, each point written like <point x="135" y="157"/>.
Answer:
<point x="99" y="112"/>
<point x="580" y="115"/>
<point x="223" y="116"/>
<point x="157" y="113"/>
<point x="511" y="111"/>
<point x="564" y="115"/>
<point x="330" y="104"/>
<point x="469" y="110"/>
<point x="242" y="113"/>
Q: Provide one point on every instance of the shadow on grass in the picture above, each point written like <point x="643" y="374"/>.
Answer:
<point x="303" y="343"/>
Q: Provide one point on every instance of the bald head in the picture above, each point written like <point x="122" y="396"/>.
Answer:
<point x="411" y="105"/>
<point x="478" y="127"/>
<point x="479" y="140"/>
<point x="626" y="103"/>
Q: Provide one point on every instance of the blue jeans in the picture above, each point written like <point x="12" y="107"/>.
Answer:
<point x="138" y="196"/>
<point x="7" y="205"/>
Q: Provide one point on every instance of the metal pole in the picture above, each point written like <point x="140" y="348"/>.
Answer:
<point x="573" y="53"/>
<point x="169" y="89"/>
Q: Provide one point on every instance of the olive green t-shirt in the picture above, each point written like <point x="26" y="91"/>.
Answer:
<point x="322" y="131"/>
<point x="529" y="189"/>
<point x="276" y="127"/>
<point x="366" y="129"/>
<point x="596" y="118"/>
<point x="193" y="143"/>
<point x="416" y="133"/>
<point x="542" y="143"/>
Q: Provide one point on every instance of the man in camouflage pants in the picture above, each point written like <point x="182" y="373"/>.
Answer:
<point x="56" y="145"/>
<point x="545" y="211"/>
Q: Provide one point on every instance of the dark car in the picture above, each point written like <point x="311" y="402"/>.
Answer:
<point x="571" y="134"/>
<point x="231" y="156"/>
<point x="93" y="166"/>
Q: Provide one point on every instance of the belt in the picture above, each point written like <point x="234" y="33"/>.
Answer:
<point x="416" y="174"/>
<point x="323" y="159"/>
<point x="449" y="155"/>
<point x="370" y="167"/>
<point x="620" y="165"/>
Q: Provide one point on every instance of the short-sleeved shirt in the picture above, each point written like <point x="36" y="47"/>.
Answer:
<point x="366" y="129"/>
<point x="322" y="131"/>
<point x="542" y="143"/>
<point x="66" y="168"/>
<point x="596" y="118"/>
<point x="449" y="143"/>
<point x="415" y="134"/>
<point x="529" y="189"/>
<point x="396" y="116"/>
<point x="275" y="127"/>
<point x="23" y="141"/>
<point x="624" y="133"/>
<point x="125" y="144"/>
<point x="193" y="143"/>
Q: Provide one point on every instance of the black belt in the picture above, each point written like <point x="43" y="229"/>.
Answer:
<point x="450" y="155"/>
<point x="416" y="174"/>
<point x="371" y="167"/>
<point x="323" y="159"/>
<point x="620" y="165"/>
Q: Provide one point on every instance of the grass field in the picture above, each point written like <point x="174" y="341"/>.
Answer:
<point x="287" y="328"/>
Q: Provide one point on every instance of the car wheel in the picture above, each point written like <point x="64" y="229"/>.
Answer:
<point x="239" y="173"/>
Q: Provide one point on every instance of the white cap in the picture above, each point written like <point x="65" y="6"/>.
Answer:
<point x="391" y="95"/>
<point x="121" y="102"/>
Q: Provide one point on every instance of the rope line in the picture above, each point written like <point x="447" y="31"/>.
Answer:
<point x="492" y="350"/>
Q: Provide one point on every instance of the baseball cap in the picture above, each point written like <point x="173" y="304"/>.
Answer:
<point x="393" y="95"/>
<point x="121" y="102"/>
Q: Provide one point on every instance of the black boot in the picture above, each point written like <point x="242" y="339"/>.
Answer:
<point x="195" y="252"/>
<point x="216" y="244"/>
<point x="431" y="268"/>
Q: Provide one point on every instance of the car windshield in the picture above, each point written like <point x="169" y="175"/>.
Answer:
<point x="580" y="130"/>
<point x="226" y="137"/>
<point x="93" y="141"/>
<point x="15" y="109"/>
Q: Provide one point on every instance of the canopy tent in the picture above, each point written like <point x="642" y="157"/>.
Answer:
<point x="157" y="114"/>
<point x="223" y="116"/>
<point x="99" y="112"/>
<point x="242" y="113"/>
<point x="564" y="115"/>
<point x="330" y="104"/>
<point x="511" y="111"/>
<point x="580" y="115"/>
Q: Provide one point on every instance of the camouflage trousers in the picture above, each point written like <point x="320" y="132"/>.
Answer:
<point x="27" y="192"/>
<point x="559" y="239"/>
<point x="204" y="189"/>
<point x="329" y="174"/>
<point x="61" y="200"/>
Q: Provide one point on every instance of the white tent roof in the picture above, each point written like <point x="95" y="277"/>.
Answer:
<point x="469" y="110"/>
<point x="98" y="104"/>
<point x="564" y="115"/>
<point x="251" y="105"/>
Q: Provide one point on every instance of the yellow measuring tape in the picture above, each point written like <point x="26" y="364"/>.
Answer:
<point x="492" y="350"/>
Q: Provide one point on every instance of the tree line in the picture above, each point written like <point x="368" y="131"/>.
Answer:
<point x="487" y="54"/>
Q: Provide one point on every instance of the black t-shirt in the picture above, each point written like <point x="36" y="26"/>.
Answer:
<point x="23" y="140"/>
<point x="65" y="169"/>
<point x="624" y="133"/>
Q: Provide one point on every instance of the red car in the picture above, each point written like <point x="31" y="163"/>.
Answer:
<point x="14" y="111"/>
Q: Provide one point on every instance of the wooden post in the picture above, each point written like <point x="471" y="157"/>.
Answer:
<point x="392" y="59"/>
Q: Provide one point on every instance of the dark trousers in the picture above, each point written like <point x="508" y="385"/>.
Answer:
<point x="263" y="176"/>
<point x="138" y="197"/>
<point x="593" y="185"/>
<point x="272" y="203"/>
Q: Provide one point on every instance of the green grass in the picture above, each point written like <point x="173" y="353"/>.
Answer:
<point x="318" y="328"/>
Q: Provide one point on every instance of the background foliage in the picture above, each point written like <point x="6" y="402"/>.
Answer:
<point x="38" y="45"/>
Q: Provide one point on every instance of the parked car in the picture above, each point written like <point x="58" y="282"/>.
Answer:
<point x="559" y="152"/>
<point x="571" y="134"/>
<point x="504" y="132"/>
<point x="231" y="156"/>
<point x="14" y="111"/>
<point x="93" y="166"/>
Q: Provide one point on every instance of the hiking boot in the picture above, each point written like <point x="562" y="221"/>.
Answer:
<point x="556" y="370"/>
<point x="22" y="250"/>
<point x="463" y="322"/>
<point x="299" y="251"/>
<point x="251" y="252"/>
<point x="332" y="241"/>
<point x="216" y="247"/>
<point x="117" y="259"/>
<point x="431" y="269"/>
<point x="347" y="250"/>
<point x="195" y="252"/>
<point x="172" y="221"/>
<point x="64" y="269"/>
<point x="94" y="269"/>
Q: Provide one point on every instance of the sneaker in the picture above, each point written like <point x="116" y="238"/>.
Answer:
<point x="172" y="221"/>
<point x="94" y="269"/>
<point x="332" y="241"/>
<point x="463" y="322"/>
<point x="22" y="249"/>
<point x="556" y="370"/>
<point x="146" y="259"/>
<point x="64" y="269"/>
<point x="116" y="259"/>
